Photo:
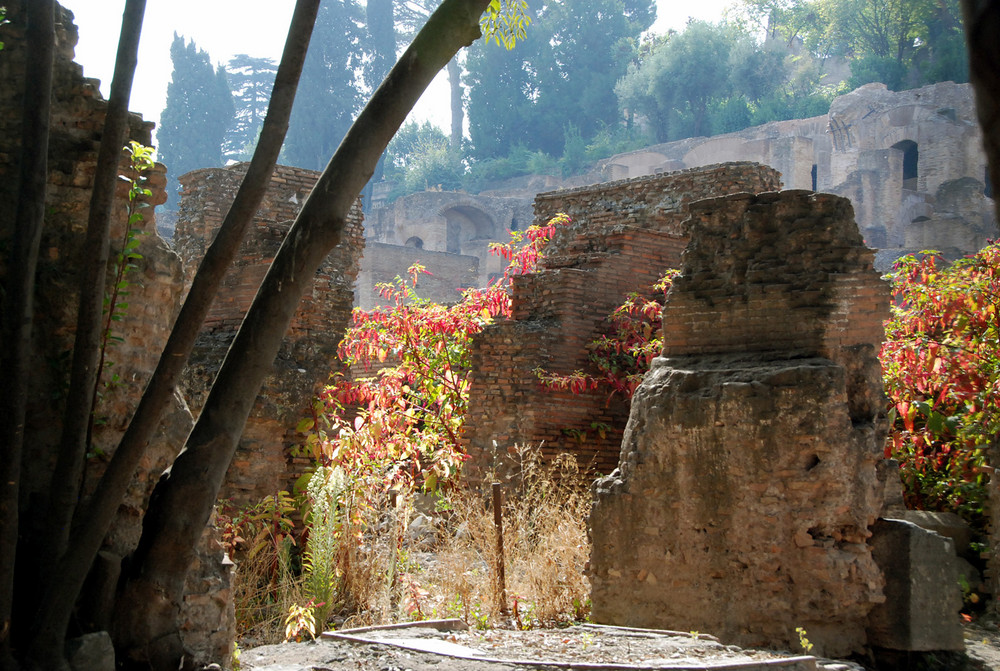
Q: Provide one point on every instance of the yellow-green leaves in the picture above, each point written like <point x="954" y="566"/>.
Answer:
<point x="505" y="22"/>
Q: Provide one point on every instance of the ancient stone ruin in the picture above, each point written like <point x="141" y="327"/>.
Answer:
<point x="448" y="232"/>
<point x="747" y="483"/>
<point x="77" y="120"/>
<point x="911" y="162"/>
<point x="264" y="463"/>
<point x="742" y="507"/>
<point x="623" y="237"/>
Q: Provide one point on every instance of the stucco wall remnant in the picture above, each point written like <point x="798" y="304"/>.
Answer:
<point x="263" y="463"/>
<point x="895" y="154"/>
<point x="623" y="237"/>
<point x="747" y="481"/>
<point x="449" y="273"/>
<point x="76" y="125"/>
<point x="448" y="222"/>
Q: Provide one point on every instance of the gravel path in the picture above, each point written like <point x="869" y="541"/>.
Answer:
<point x="580" y="647"/>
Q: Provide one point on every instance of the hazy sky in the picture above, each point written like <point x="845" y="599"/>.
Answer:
<point x="255" y="27"/>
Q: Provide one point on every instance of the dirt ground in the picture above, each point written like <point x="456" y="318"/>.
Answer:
<point x="573" y="647"/>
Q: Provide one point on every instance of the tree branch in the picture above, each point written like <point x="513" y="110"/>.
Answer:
<point x="183" y="500"/>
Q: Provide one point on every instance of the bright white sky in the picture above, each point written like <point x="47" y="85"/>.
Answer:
<point x="255" y="27"/>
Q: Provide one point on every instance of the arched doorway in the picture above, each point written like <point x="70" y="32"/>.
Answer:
<point x="466" y="224"/>
<point x="911" y="157"/>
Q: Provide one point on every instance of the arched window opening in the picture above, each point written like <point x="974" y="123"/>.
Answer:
<point x="911" y="157"/>
<point x="415" y="242"/>
<point x="466" y="224"/>
<point x="814" y="172"/>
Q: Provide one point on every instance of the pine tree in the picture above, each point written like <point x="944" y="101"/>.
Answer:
<point x="198" y="111"/>
<point x="251" y="80"/>
<point x="330" y="93"/>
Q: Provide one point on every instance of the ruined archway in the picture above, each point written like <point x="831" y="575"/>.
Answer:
<point x="911" y="156"/>
<point x="466" y="224"/>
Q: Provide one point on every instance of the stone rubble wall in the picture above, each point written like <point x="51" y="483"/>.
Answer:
<point x="623" y="237"/>
<point x="747" y="481"/>
<point x="857" y="151"/>
<point x="442" y="222"/>
<point x="448" y="273"/>
<point x="264" y="463"/>
<point x="77" y="121"/>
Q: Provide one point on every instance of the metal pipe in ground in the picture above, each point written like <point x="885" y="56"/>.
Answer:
<point x="498" y="521"/>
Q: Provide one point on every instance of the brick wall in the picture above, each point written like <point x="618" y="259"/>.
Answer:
<point x="747" y="477"/>
<point x="76" y="125"/>
<point x="263" y="463"/>
<point x="750" y="288"/>
<point x="624" y="235"/>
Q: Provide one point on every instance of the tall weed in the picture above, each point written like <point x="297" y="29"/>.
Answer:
<point x="545" y="548"/>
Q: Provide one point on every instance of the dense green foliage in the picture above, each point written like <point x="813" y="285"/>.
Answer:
<point x="198" y="111"/>
<point x="561" y="75"/>
<point x="587" y="81"/>
<point x="769" y="60"/>
<point x="251" y="80"/>
<point x="419" y="158"/>
<point x="331" y="91"/>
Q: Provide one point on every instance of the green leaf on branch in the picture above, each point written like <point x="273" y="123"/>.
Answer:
<point x="505" y="22"/>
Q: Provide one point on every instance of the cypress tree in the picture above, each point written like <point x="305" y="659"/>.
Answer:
<point x="199" y="109"/>
<point x="251" y="80"/>
<point x="330" y="93"/>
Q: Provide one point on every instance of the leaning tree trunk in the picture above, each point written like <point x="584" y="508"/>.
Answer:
<point x="457" y="109"/>
<point x="982" y="26"/>
<point x="92" y="522"/>
<point x="68" y="474"/>
<point x="19" y="298"/>
<point x="182" y="502"/>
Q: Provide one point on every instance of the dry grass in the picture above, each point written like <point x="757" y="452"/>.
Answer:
<point x="264" y="588"/>
<point x="545" y="549"/>
<point x="382" y="577"/>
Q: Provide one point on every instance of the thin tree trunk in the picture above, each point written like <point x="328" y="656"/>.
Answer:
<point x="183" y="500"/>
<point x="982" y="26"/>
<point x="68" y="474"/>
<point x="382" y="31"/>
<point x="457" y="109"/>
<point x="18" y="309"/>
<point x="92" y="523"/>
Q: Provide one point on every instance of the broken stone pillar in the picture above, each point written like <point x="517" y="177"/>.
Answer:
<point x="747" y="479"/>
<point x="922" y="599"/>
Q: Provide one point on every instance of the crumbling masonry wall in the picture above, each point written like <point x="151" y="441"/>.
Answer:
<point x="76" y="125"/>
<point x="264" y="463"/>
<point x="747" y="482"/>
<point x="623" y="237"/>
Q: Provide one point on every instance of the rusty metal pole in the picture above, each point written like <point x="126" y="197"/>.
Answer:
<point x="498" y="521"/>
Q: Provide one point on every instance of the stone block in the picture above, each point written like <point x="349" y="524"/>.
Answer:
<point x="91" y="652"/>
<point x="747" y="481"/>
<point x="922" y="595"/>
<point x="948" y="525"/>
